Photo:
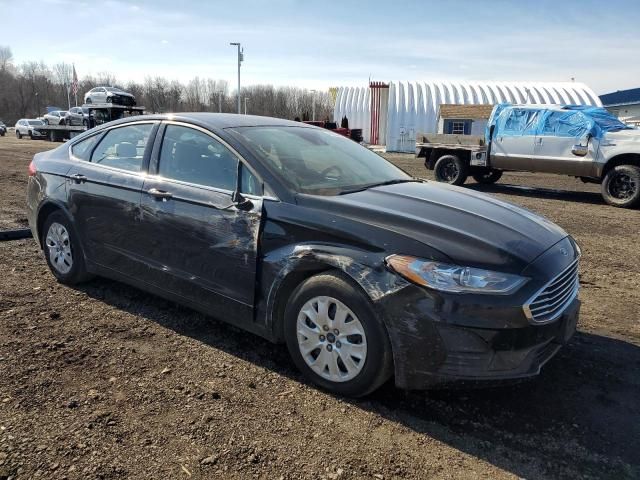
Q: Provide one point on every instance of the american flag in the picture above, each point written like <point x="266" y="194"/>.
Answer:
<point x="74" y="84"/>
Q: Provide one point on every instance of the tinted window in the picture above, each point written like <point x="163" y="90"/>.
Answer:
<point x="192" y="156"/>
<point x="35" y="122"/>
<point x="316" y="161"/>
<point x="83" y="148"/>
<point x="123" y="147"/>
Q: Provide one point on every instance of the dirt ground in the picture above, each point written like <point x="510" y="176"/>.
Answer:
<point x="104" y="381"/>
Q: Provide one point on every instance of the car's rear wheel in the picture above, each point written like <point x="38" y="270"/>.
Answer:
<point x="62" y="250"/>
<point x="621" y="186"/>
<point x="488" y="176"/>
<point x="450" y="169"/>
<point x="335" y="337"/>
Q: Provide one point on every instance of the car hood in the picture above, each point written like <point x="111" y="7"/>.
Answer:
<point x="470" y="228"/>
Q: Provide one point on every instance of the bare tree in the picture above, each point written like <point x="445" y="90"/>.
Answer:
<point x="28" y="89"/>
<point x="5" y="58"/>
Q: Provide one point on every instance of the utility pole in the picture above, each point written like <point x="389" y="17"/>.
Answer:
<point x="240" y="59"/>
<point x="313" y="105"/>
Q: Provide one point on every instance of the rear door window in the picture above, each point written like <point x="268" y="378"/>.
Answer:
<point x="83" y="148"/>
<point x="123" y="147"/>
<point x="192" y="156"/>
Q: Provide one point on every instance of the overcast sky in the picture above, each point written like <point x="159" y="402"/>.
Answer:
<point x="318" y="44"/>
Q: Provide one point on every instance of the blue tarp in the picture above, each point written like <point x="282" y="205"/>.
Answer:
<point x="572" y="121"/>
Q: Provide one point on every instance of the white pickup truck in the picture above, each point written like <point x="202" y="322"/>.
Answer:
<point x="585" y="142"/>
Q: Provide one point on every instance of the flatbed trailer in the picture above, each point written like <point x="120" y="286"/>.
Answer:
<point x="433" y="146"/>
<point x="99" y="113"/>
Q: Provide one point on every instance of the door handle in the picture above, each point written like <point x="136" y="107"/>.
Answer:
<point x="160" y="194"/>
<point x="79" y="178"/>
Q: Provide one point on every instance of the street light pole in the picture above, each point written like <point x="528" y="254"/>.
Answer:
<point x="240" y="59"/>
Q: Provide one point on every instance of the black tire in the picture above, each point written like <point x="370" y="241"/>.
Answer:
<point x="18" y="134"/>
<point x="62" y="122"/>
<point x="450" y="169"/>
<point x="378" y="362"/>
<point x="31" y="134"/>
<point x="78" y="272"/>
<point x="88" y="100"/>
<point x="488" y="176"/>
<point x="621" y="186"/>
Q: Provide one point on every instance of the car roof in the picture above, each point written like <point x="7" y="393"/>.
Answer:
<point x="220" y="120"/>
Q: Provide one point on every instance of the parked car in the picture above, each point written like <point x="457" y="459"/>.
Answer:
<point x="56" y="117"/>
<point x="3" y="129"/>
<point x="109" y="95"/>
<point x="27" y="127"/>
<point x="78" y="116"/>
<point x="585" y="142"/>
<point x="303" y="236"/>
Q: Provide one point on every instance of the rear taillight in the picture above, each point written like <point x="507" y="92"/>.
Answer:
<point x="32" y="169"/>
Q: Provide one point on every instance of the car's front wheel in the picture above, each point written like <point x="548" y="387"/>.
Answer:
<point x="621" y="186"/>
<point x="18" y="134"/>
<point x="62" y="250"/>
<point x="335" y="337"/>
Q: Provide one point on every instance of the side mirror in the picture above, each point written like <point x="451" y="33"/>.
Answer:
<point x="581" y="150"/>
<point x="243" y="204"/>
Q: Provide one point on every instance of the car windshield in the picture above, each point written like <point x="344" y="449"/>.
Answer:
<point x="112" y="89"/>
<point x="319" y="162"/>
<point x="35" y="122"/>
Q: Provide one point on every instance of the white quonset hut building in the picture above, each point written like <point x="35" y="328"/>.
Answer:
<point x="391" y="114"/>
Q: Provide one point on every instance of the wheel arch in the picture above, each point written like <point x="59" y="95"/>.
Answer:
<point x="47" y="208"/>
<point x="621" y="159"/>
<point x="304" y="262"/>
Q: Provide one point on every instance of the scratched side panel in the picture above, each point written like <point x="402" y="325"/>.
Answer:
<point x="299" y="239"/>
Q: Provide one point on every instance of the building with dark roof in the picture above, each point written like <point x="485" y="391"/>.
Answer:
<point x="625" y="104"/>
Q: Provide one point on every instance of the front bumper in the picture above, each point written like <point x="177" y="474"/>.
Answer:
<point x="447" y="338"/>
<point x="431" y="352"/>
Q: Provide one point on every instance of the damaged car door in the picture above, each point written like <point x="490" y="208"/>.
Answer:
<point x="201" y="238"/>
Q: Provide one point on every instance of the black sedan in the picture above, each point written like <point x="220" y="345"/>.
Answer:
<point x="303" y="236"/>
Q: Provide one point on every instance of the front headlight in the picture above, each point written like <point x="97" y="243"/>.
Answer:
<point x="454" y="278"/>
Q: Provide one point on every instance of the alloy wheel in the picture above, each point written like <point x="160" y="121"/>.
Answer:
<point x="59" y="246"/>
<point x="450" y="171"/>
<point x="622" y="186"/>
<point x="331" y="339"/>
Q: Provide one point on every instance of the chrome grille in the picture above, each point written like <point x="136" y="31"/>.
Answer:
<point x="549" y="303"/>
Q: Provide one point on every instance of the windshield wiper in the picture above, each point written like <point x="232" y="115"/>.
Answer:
<point x="379" y="184"/>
